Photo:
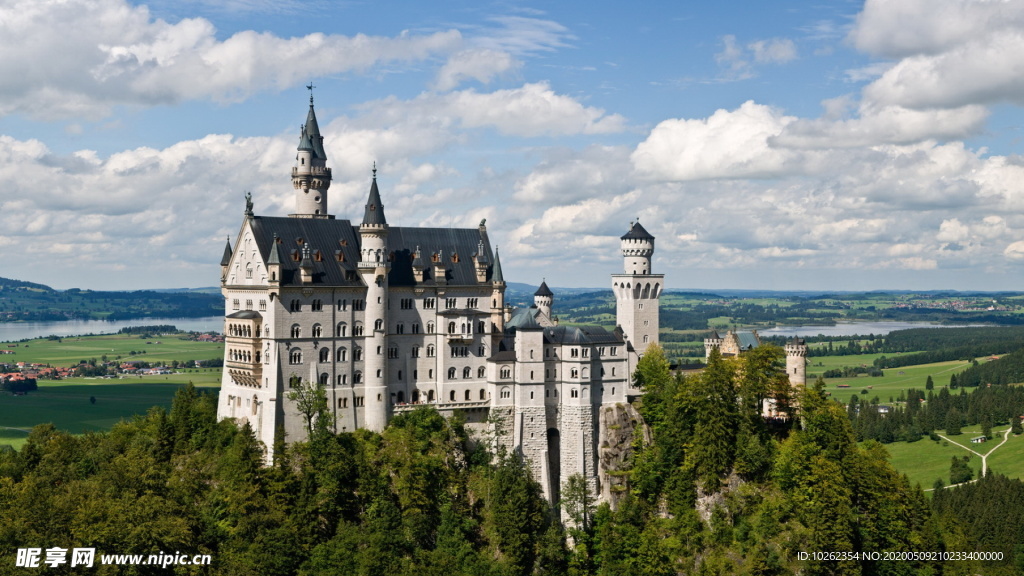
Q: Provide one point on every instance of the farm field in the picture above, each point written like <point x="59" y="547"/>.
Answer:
<point x="65" y="403"/>
<point x="925" y="460"/>
<point x="894" y="381"/>
<point x="73" y="349"/>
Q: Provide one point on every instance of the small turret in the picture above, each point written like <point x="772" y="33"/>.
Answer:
<point x="225" y="261"/>
<point x="796" y="361"/>
<point x="310" y="176"/>
<point x="543" y="298"/>
<point x="712" y="342"/>
<point x="637" y="249"/>
<point x="274" y="262"/>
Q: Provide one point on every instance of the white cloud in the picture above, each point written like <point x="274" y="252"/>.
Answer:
<point x="480" y="65"/>
<point x="728" y="144"/>
<point x="773" y="51"/>
<point x="120" y="54"/>
<point x="736" y="59"/>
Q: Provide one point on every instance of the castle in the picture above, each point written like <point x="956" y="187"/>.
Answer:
<point x="387" y="318"/>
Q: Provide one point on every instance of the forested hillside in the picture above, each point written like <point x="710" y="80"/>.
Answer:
<point x="26" y="301"/>
<point x="718" y="491"/>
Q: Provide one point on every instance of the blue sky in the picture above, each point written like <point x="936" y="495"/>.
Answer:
<point x="781" y="145"/>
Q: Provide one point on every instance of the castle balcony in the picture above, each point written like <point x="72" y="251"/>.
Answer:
<point x="246" y="374"/>
<point x="313" y="170"/>
<point x="454" y="339"/>
<point x="410" y="406"/>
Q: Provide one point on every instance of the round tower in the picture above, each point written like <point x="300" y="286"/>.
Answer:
<point x="796" y="362"/>
<point x="637" y="249"/>
<point x="310" y="176"/>
<point x="373" y="269"/>
<point x="543" y="298"/>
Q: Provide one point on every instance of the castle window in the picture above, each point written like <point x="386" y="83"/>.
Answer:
<point x="359" y="403"/>
<point x="449" y="303"/>
<point x="613" y="371"/>
<point x="342" y="379"/>
<point x="483" y="394"/>
<point x="415" y="375"/>
<point x="531" y="398"/>
<point x="294" y="306"/>
<point x="342" y="355"/>
<point x="574" y="373"/>
<point x="248" y="271"/>
<point x="480" y="351"/>
<point x="506" y="372"/>
<point x="586" y="352"/>
<point x="234" y="304"/>
<point x="357" y="330"/>
<point x="263" y="305"/>
<point x="430" y="327"/>
<point x="574" y="353"/>
<point x="357" y="354"/>
<point x="646" y="338"/>
<point x="357" y="377"/>
<point x="506" y="392"/>
<point x="296" y="331"/>
<point x="325" y="355"/>
<point x="451" y="327"/>
<point x="451" y="373"/>
<point x="317" y="331"/>
<point x="416" y="328"/>
<point x="615" y="351"/>
<point x="342" y="305"/>
<point x="323" y="379"/>
<point x="378" y="376"/>
<point x="430" y="374"/>
<point x="295" y="357"/>
<point x="378" y="325"/>
<point x="451" y="396"/>
<point x="399" y="375"/>
<point x="430" y="350"/>
<point x="393" y="352"/>
<point x="359" y="305"/>
<point x="248" y="304"/>
<point x="428" y="303"/>
<point x="481" y="327"/>
<point x="465" y="373"/>
<point x="481" y="372"/>
<point x="430" y="396"/>
<point x="400" y="329"/>
<point x="467" y="396"/>
<point x="341" y="330"/>
<point x="415" y="351"/>
<point x="317" y="305"/>
<point x="574" y="393"/>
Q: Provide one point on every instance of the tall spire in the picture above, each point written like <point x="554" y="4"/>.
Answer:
<point x="310" y="176"/>
<point x="226" y="259"/>
<point x="497" y="275"/>
<point x="374" y="214"/>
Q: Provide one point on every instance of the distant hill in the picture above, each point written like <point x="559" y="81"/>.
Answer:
<point x="22" y="301"/>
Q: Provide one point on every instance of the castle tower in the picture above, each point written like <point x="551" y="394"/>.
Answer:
<point x="310" y="176"/>
<point x="638" y="290"/>
<point x="712" y="342"/>
<point x="796" y="362"/>
<point x="373" y="269"/>
<point x="543" y="298"/>
<point x="497" y="298"/>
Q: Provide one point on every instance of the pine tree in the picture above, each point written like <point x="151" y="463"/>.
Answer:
<point x="953" y="422"/>
<point x="929" y="384"/>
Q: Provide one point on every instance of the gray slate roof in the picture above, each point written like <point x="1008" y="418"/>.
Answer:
<point x="543" y="290"/>
<point x="339" y="238"/>
<point x="637" y="232"/>
<point x="374" y="213"/>
<point x="225" y="260"/>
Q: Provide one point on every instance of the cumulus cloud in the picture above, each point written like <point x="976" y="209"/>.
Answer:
<point x="951" y="53"/>
<point x="737" y="60"/>
<point x="528" y="111"/>
<point x="120" y="54"/>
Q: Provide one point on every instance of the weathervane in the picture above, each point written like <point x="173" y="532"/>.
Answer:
<point x="310" y="88"/>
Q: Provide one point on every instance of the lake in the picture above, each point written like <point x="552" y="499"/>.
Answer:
<point x="14" y="331"/>
<point x="849" y="329"/>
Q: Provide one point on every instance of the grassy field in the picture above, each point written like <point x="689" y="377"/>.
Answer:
<point x="924" y="461"/>
<point x="894" y="381"/>
<point x="66" y="403"/>
<point x="73" y="349"/>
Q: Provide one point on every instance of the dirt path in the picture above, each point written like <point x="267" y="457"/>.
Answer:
<point x="984" y="457"/>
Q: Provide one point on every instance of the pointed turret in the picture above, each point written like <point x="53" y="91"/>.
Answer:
<point x="225" y="261"/>
<point x="543" y="298"/>
<point x="497" y="276"/>
<point x="226" y="258"/>
<point x="310" y="176"/>
<point x="374" y="214"/>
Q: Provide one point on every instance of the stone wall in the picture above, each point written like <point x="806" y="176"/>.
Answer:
<point x="617" y="429"/>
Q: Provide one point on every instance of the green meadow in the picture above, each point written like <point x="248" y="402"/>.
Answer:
<point x="894" y="381"/>
<point x="67" y="405"/>
<point x="925" y="460"/>
<point x="71" y="350"/>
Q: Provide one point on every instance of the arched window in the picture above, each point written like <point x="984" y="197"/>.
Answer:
<point x="317" y="331"/>
<point x="341" y="330"/>
<point x="506" y="372"/>
<point x="357" y="377"/>
<point x="295" y="357"/>
<point x="430" y="396"/>
<point x="357" y="354"/>
<point x="323" y="379"/>
<point x="465" y="373"/>
<point x="481" y="372"/>
<point x="378" y="325"/>
<point x="296" y="331"/>
<point x="342" y="355"/>
<point x="451" y="327"/>
<point x="451" y="373"/>
<point x="430" y="327"/>
<point x="574" y="393"/>
<point x="483" y="394"/>
<point x="325" y="355"/>
<point x="506" y="392"/>
<point x="430" y="350"/>
<point x="342" y="379"/>
<point x="481" y="327"/>
<point x="451" y="396"/>
<point x="401" y="397"/>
